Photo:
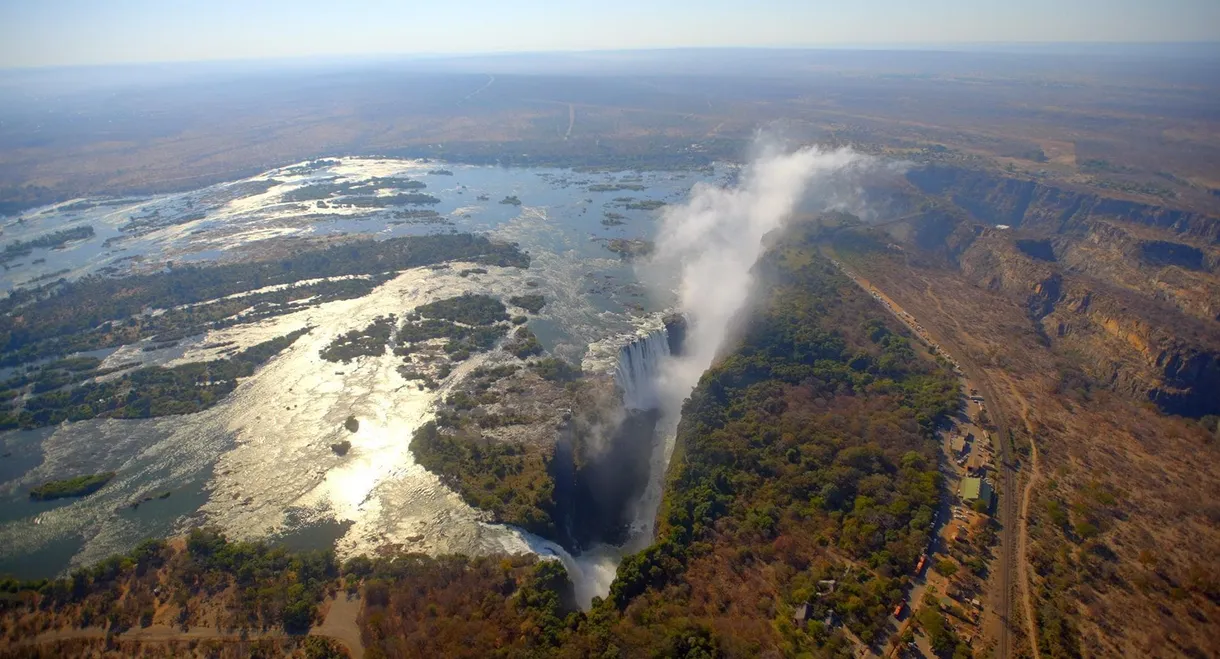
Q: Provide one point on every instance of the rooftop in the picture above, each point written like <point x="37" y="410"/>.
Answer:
<point x="975" y="488"/>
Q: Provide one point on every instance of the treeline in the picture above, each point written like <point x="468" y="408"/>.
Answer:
<point x="328" y="190"/>
<point x="254" y="585"/>
<point x="147" y="392"/>
<point x="416" y="606"/>
<point x="178" y="323"/>
<point x="804" y="473"/>
<point x="469" y="308"/>
<point x="31" y="319"/>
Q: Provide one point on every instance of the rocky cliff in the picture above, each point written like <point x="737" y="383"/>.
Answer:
<point x="994" y="198"/>
<point x="1134" y="343"/>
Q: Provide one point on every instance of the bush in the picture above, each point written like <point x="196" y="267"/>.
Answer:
<point x="532" y="303"/>
<point x="71" y="487"/>
<point x="468" y="309"/>
<point x="525" y="343"/>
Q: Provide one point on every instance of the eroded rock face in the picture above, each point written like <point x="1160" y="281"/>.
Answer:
<point x="675" y="330"/>
<point x="1133" y="289"/>
<point x="996" y="199"/>
<point x="1137" y="344"/>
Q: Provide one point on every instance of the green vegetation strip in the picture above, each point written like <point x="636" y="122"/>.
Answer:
<point x="805" y="456"/>
<point x="71" y="487"/>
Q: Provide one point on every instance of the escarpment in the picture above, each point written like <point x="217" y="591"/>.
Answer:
<point x="1138" y="345"/>
<point x="996" y="199"/>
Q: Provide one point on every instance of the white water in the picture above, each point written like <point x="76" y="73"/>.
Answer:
<point x="591" y="572"/>
<point x="639" y="367"/>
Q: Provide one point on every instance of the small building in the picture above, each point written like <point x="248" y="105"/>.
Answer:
<point x="801" y="616"/>
<point x="958" y="444"/>
<point x="973" y="489"/>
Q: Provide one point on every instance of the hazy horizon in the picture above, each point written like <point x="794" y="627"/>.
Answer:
<point x="66" y="33"/>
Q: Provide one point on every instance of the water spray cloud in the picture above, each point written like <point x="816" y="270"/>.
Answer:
<point x="705" y="252"/>
<point x="711" y="243"/>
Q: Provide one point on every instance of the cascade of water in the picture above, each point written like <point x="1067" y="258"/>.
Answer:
<point x="639" y="366"/>
<point x="591" y="572"/>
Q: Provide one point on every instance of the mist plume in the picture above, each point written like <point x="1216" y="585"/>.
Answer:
<point x="705" y="253"/>
<point x="710" y="244"/>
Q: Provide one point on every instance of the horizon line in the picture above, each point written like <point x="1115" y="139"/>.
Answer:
<point x="914" y="46"/>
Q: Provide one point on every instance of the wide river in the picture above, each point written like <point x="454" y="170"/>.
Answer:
<point x="259" y="464"/>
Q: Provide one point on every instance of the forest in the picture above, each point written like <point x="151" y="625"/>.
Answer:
<point x="805" y="457"/>
<point x="510" y="481"/>
<point x="251" y="584"/>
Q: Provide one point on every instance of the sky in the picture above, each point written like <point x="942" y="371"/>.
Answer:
<point x="92" y="32"/>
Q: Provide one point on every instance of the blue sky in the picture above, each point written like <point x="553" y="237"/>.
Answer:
<point x="70" y="32"/>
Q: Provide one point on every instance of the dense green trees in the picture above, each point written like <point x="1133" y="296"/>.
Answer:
<point x="71" y="487"/>
<point x="803" y="456"/>
<point x="510" y="481"/>
<point x="532" y="303"/>
<point x="468" y="309"/>
<point x="370" y="342"/>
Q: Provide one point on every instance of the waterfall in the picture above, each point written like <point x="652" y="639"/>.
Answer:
<point x="591" y="572"/>
<point x="639" y="367"/>
<point x="632" y="450"/>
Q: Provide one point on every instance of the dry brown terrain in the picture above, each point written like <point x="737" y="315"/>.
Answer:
<point x="1137" y="129"/>
<point x="1123" y="568"/>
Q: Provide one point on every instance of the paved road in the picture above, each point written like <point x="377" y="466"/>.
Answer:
<point x="1006" y="513"/>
